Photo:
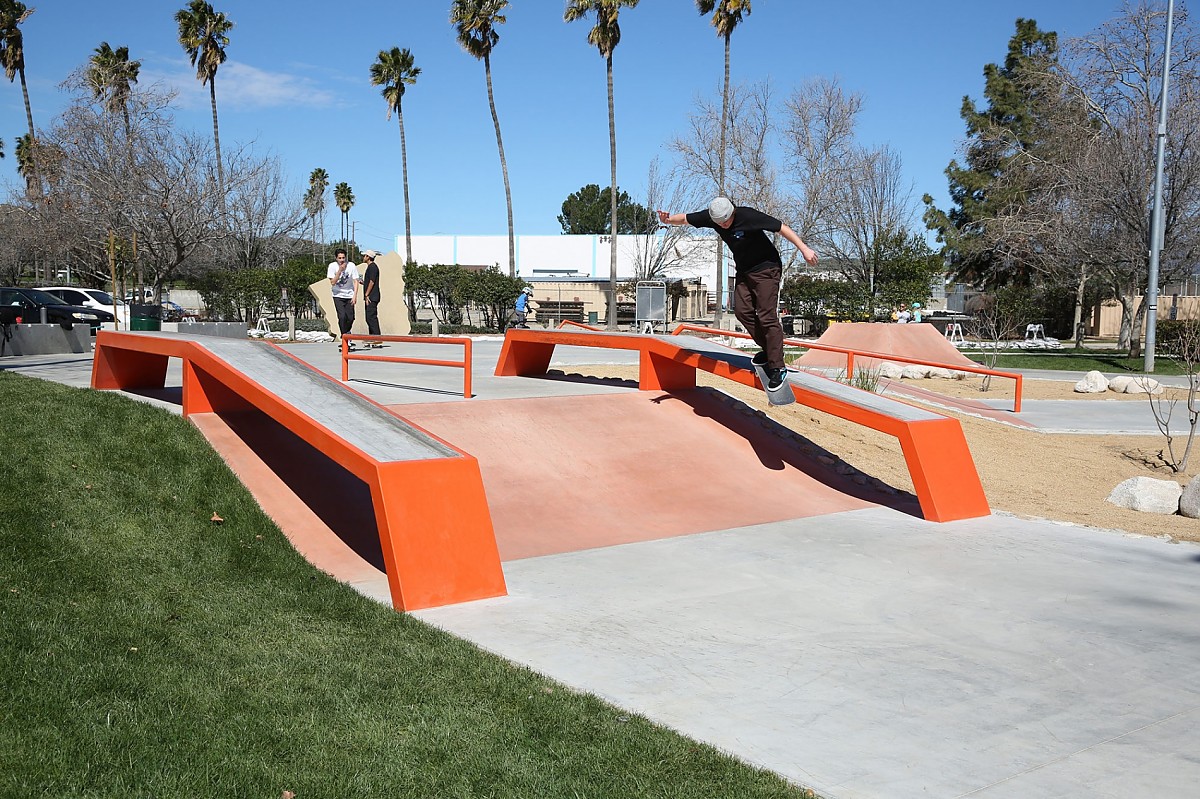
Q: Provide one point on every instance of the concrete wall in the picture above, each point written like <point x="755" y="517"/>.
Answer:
<point x="45" y="339"/>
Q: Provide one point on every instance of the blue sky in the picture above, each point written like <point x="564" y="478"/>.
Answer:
<point x="296" y="84"/>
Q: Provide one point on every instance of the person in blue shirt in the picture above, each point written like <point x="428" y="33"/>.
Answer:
<point x="524" y="306"/>
<point x="758" y="272"/>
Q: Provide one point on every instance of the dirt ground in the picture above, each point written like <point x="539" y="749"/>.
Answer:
<point x="1066" y="478"/>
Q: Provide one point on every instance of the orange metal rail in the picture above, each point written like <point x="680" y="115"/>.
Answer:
<point x="435" y="528"/>
<point x="935" y="450"/>
<point x="849" y="353"/>
<point x="464" y="364"/>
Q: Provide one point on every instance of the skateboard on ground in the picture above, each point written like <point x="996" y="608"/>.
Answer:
<point x="780" y="396"/>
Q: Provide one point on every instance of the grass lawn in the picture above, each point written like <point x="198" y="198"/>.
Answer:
<point x="148" y="652"/>
<point x="1083" y="360"/>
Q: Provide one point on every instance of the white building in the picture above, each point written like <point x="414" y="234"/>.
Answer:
<point x="583" y="256"/>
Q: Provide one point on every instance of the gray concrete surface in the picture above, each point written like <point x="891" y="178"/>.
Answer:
<point x="869" y="655"/>
<point x="1112" y="417"/>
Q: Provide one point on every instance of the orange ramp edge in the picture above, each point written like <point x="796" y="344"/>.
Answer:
<point x="434" y="525"/>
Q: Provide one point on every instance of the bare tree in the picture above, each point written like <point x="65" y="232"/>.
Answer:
<point x="658" y="255"/>
<point x="165" y="194"/>
<point x="1186" y="347"/>
<point x="848" y="198"/>
<point x="1118" y="71"/>
<point x="264" y="213"/>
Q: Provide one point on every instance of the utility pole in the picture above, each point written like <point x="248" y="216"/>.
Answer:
<point x="1156" y="215"/>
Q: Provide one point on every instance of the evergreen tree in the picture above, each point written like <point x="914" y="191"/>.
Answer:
<point x="996" y="135"/>
<point x="587" y="211"/>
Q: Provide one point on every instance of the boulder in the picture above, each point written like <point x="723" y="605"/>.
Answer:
<point x="1147" y="494"/>
<point x="937" y="371"/>
<point x="1119" y="383"/>
<point x="1092" y="383"/>
<point x="892" y="371"/>
<point x="1144" y="385"/>
<point x="1189" y="501"/>
<point x="914" y="372"/>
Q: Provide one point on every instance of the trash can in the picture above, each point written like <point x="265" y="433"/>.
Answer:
<point x="145" y="317"/>
<point x="593" y="317"/>
<point x="789" y="325"/>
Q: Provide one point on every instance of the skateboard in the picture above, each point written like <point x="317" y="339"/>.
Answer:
<point x="780" y="396"/>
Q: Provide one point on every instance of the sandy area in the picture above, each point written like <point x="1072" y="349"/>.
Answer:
<point x="1038" y="475"/>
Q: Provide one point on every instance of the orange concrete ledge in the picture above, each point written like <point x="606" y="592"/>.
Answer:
<point x="934" y="447"/>
<point x="431" y="513"/>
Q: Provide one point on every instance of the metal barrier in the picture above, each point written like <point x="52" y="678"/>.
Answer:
<point x="849" y="353"/>
<point x="464" y="364"/>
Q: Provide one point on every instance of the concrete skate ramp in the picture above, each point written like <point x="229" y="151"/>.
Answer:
<point x="920" y="341"/>
<point x="568" y="473"/>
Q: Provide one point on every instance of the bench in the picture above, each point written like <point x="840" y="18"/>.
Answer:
<point x="934" y="447"/>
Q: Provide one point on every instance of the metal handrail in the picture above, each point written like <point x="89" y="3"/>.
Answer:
<point x="850" y="353"/>
<point x="464" y="364"/>
<point x="565" y="322"/>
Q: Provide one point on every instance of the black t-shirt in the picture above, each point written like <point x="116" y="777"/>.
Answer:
<point x="751" y="247"/>
<point x="372" y="274"/>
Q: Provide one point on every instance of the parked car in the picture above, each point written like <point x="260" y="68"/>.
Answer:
<point x="32" y="301"/>
<point x="92" y="298"/>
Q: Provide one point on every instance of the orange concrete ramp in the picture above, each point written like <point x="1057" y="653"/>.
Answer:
<point x="919" y="341"/>
<point x="569" y="473"/>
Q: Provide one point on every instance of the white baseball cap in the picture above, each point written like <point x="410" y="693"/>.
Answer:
<point x="720" y="209"/>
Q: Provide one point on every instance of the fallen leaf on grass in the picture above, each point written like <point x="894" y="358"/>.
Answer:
<point x="216" y="519"/>
<point x="288" y="795"/>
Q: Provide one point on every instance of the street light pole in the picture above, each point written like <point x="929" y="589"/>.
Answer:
<point x="1156" y="216"/>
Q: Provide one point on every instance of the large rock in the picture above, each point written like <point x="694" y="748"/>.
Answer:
<point x="1144" y="385"/>
<point x="1119" y="383"/>
<point x="892" y="371"/>
<point x="914" y="371"/>
<point x="1189" y="501"/>
<point x="937" y="371"/>
<point x="1092" y="383"/>
<point x="1147" y="494"/>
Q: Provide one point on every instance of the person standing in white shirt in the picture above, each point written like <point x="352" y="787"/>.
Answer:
<point x="343" y="277"/>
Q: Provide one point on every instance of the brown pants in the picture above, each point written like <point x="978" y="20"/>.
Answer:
<point x="756" y="306"/>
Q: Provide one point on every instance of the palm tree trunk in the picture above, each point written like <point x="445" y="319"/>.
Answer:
<point x="721" y="185"/>
<point x="404" y="177"/>
<point x="37" y="179"/>
<point x="512" y="249"/>
<point x="212" y="96"/>
<point x="612" y="158"/>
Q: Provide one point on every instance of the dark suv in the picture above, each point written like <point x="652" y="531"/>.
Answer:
<point x="27" y="304"/>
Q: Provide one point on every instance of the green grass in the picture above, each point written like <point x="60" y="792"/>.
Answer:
<point x="1083" y="360"/>
<point x="148" y="652"/>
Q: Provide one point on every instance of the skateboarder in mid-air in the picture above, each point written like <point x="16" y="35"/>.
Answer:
<point x="759" y="271"/>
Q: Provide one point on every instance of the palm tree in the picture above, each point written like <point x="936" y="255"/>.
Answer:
<point x="393" y="71"/>
<point x="111" y="74"/>
<point x="476" y="21"/>
<point x="203" y="33"/>
<point x="606" y="35"/>
<point x="12" y="55"/>
<point x="314" y="201"/>
<point x="26" y="167"/>
<point x="726" y="16"/>
<point x="343" y="197"/>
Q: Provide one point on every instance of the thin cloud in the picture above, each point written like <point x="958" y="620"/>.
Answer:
<point x="241" y="86"/>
